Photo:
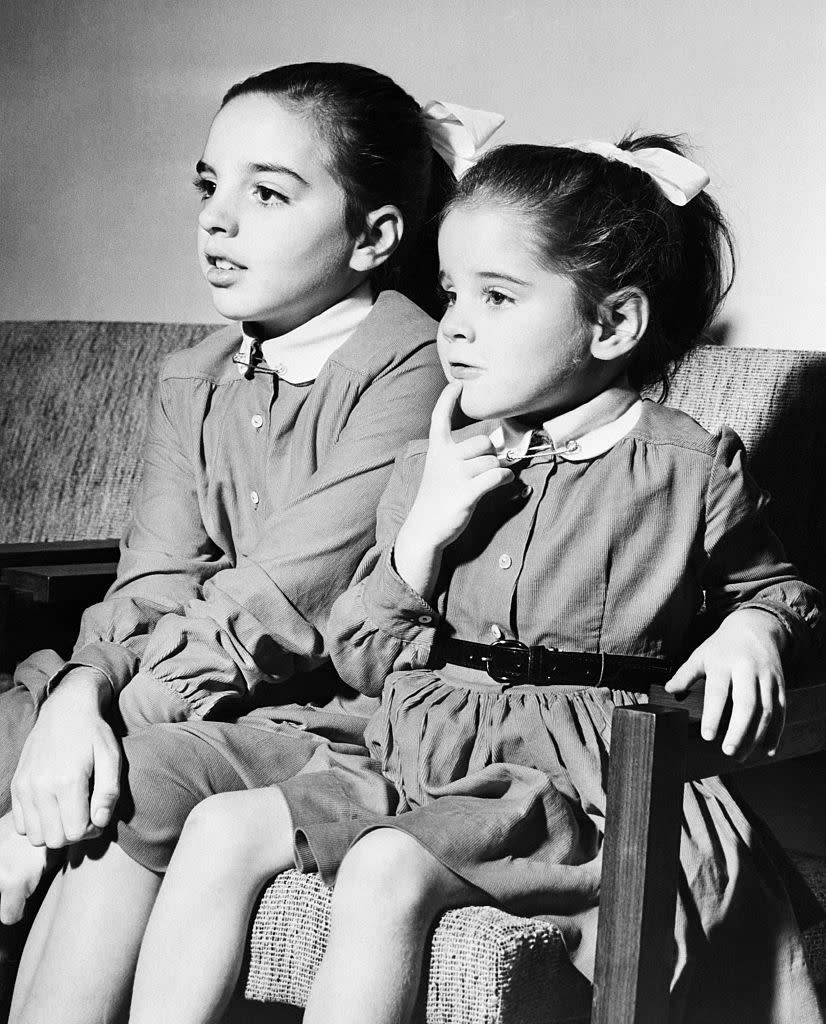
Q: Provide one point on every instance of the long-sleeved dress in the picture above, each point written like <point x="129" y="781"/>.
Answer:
<point x="257" y="503"/>
<point x="506" y="785"/>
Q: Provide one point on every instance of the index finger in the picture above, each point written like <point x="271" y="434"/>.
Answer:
<point x="441" y="418"/>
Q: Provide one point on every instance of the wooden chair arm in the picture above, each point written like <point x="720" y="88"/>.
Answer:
<point x="44" y="588"/>
<point x="638" y="895"/>
<point x="654" y="750"/>
<point x="62" y="552"/>
<point x="51" y="584"/>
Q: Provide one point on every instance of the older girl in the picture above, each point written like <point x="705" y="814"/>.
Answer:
<point x="268" y="447"/>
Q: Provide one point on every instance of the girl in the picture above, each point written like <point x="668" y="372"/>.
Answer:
<point x="581" y="520"/>
<point x="268" y="447"/>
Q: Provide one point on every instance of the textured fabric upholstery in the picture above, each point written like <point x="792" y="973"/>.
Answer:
<point x="486" y="966"/>
<point x="73" y="400"/>
<point x="813" y="870"/>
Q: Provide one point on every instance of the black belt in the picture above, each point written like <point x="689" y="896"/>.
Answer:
<point x="514" y="663"/>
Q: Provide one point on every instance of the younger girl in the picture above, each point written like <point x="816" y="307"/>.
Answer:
<point x="582" y="519"/>
<point x="268" y="447"/>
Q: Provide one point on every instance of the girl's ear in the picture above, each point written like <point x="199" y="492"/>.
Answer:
<point x="383" y="230"/>
<point x="623" y="318"/>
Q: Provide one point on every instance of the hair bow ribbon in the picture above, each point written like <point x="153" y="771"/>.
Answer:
<point x="678" y="178"/>
<point x="458" y="133"/>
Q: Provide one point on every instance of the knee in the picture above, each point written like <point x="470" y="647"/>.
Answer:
<point x="387" y="873"/>
<point x="240" y="831"/>
<point x="214" y="827"/>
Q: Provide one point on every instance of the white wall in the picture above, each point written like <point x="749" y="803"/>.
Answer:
<point x="107" y="103"/>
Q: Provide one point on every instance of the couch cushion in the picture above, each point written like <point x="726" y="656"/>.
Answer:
<point x="813" y="870"/>
<point x="486" y="966"/>
<point x="73" y="401"/>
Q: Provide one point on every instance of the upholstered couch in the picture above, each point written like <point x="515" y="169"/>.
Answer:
<point x="72" y="408"/>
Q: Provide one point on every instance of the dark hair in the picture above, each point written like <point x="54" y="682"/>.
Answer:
<point x="381" y="153"/>
<point x="608" y="226"/>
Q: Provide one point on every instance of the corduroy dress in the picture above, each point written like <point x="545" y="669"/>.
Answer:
<point x="506" y="786"/>
<point x="256" y="505"/>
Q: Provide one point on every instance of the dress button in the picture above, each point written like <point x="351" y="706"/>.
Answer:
<point x="505" y="561"/>
<point x="257" y="421"/>
<point x="496" y="631"/>
<point x="254" y="497"/>
<point x="527" y="491"/>
<point x="424" y="620"/>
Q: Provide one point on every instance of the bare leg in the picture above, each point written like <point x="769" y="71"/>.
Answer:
<point x="231" y="845"/>
<point x="388" y="892"/>
<point x="80" y="966"/>
<point x="36" y="941"/>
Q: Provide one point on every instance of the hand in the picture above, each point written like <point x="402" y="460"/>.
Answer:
<point x="457" y="474"/>
<point x="740" y="661"/>
<point x="21" y="868"/>
<point x="70" y="746"/>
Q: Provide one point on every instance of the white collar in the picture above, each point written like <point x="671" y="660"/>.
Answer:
<point x="568" y="436"/>
<point x="297" y="357"/>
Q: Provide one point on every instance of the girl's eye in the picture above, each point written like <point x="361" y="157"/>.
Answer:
<point x="448" y="297"/>
<point x="205" y="187"/>
<point x="268" y="196"/>
<point x="496" y="298"/>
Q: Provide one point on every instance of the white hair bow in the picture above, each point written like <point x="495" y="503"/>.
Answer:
<point x="459" y="133"/>
<point x="678" y="178"/>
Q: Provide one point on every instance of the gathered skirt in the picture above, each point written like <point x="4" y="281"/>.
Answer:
<point x="507" y="788"/>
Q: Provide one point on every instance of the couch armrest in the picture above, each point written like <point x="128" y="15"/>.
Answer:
<point x="61" y="552"/>
<point x="51" y="584"/>
<point x="44" y="588"/>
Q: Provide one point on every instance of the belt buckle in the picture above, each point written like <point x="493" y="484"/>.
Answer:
<point x="496" y="668"/>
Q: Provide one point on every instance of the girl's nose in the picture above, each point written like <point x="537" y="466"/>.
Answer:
<point x="455" y="326"/>
<point x="218" y="216"/>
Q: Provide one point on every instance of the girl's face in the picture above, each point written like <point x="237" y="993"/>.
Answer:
<point x="272" y="240"/>
<point x="511" y="333"/>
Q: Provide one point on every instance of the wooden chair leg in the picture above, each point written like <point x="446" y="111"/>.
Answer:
<point x="635" y="941"/>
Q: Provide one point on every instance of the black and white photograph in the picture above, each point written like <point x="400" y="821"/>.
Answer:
<point x="412" y="512"/>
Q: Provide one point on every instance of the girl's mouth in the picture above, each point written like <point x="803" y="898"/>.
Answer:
<point x="222" y="263"/>
<point x="464" y="371"/>
<point x="222" y="272"/>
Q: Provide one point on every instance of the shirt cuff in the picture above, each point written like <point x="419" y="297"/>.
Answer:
<point x="113" y="660"/>
<point x="801" y="629"/>
<point x="396" y="608"/>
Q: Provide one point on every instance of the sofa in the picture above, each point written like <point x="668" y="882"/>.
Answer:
<point x="73" y="398"/>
